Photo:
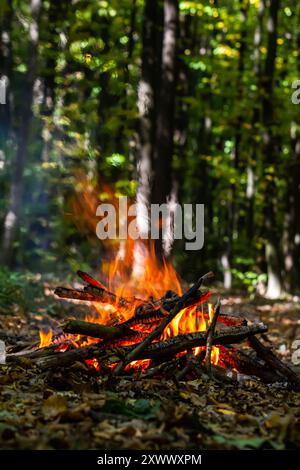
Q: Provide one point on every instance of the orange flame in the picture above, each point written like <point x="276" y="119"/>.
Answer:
<point x="45" y="338"/>
<point x="190" y="320"/>
<point x="123" y="280"/>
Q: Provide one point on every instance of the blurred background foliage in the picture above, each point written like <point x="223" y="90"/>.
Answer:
<point x="74" y="70"/>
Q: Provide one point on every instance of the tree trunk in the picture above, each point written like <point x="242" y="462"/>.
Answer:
<point x="11" y="222"/>
<point x="232" y="226"/>
<point x="272" y="253"/>
<point x="163" y="151"/>
<point x="147" y="99"/>
<point x="40" y="223"/>
<point x="5" y="71"/>
<point x="291" y="238"/>
<point x="251" y="176"/>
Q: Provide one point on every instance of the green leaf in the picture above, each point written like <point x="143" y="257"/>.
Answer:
<point x="140" y="408"/>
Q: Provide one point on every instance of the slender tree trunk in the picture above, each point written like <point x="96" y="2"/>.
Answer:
<point x="257" y="69"/>
<point x="5" y="71"/>
<point x="14" y="211"/>
<point x="104" y="105"/>
<point x="125" y="100"/>
<point x="163" y="152"/>
<point x="185" y="88"/>
<point x="272" y="253"/>
<point x="293" y="254"/>
<point x="232" y="223"/>
<point x="43" y="190"/>
<point x="147" y="99"/>
<point x="291" y="245"/>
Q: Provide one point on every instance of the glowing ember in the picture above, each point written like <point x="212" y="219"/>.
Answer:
<point x="93" y="363"/>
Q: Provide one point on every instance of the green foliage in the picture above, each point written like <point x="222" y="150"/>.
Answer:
<point x="141" y="408"/>
<point x="18" y="292"/>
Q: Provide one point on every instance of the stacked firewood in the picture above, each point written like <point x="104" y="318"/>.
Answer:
<point x="116" y="346"/>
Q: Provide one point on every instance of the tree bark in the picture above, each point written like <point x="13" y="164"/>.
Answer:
<point x="5" y="72"/>
<point x="13" y="214"/>
<point x="232" y="223"/>
<point x="96" y="330"/>
<point x="163" y="152"/>
<point x="254" y="154"/>
<point x="272" y="253"/>
<point x="291" y="241"/>
<point x="147" y="99"/>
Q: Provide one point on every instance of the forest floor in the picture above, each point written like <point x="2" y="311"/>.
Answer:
<point x="76" y="408"/>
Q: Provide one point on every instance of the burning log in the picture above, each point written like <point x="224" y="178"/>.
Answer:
<point x="146" y="319"/>
<point x="91" y="294"/>
<point x="96" y="330"/>
<point x="188" y="341"/>
<point x="165" y="304"/>
<point x="90" y="280"/>
<point x="95" y="291"/>
<point x="160" y="328"/>
<point x="157" y="315"/>
<point x="166" y="348"/>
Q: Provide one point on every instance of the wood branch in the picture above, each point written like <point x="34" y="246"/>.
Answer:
<point x="218" y="374"/>
<point x="248" y="364"/>
<point x="33" y="354"/>
<point x="157" y="315"/>
<point x="167" y="348"/>
<point x="96" y="330"/>
<point x="232" y="320"/>
<point x="76" y="294"/>
<point x="91" y="294"/>
<point x="192" y="363"/>
<point x="165" y="304"/>
<point x="145" y="310"/>
<point x="188" y="341"/>
<point x="163" y="367"/>
<point x="64" y="359"/>
<point x="90" y="280"/>
<point x="110" y="297"/>
<point x="210" y="335"/>
<point x="160" y="328"/>
<point x="13" y="338"/>
<point x="146" y="319"/>
<point x="275" y="363"/>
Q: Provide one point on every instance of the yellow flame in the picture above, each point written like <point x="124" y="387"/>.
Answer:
<point x="189" y="320"/>
<point x="45" y="338"/>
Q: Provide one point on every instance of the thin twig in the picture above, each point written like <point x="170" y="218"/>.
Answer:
<point x="210" y="335"/>
<point x="96" y="330"/>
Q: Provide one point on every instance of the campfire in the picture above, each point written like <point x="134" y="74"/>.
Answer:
<point x="148" y="327"/>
